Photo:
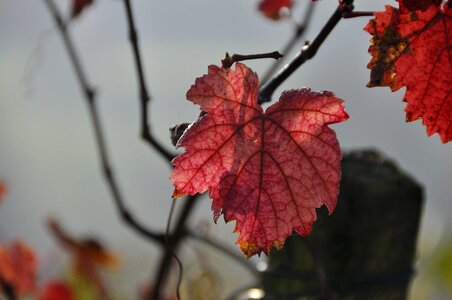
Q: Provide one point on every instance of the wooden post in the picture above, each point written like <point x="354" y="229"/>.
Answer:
<point x="365" y="249"/>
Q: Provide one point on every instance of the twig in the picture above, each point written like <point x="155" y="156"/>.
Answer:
<point x="176" y="237"/>
<point x="144" y="93"/>
<point x="90" y="97"/>
<point x="168" y="244"/>
<point x="356" y="14"/>
<point x="225" y="250"/>
<point x="228" y="60"/>
<point x="306" y="53"/>
<point x="300" y="29"/>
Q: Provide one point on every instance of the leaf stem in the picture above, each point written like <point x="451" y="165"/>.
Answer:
<point x="90" y="97"/>
<point x="143" y="90"/>
<point x="306" y="53"/>
<point x="228" y="60"/>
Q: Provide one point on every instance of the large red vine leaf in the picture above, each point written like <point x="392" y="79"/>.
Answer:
<point x="413" y="49"/>
<point x="269" y="170"/>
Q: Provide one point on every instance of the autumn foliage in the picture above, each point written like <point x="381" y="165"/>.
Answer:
<point x="411" y="47"/>
<point x="18" y="264"/>
<point x="272" y="8"/>
<point x="269" y="170"/>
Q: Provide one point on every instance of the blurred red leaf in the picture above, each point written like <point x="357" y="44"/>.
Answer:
<point x="18" y="264"/>
<point x="272" y="8"/>
<point x="413" y="49"/>
<point x="56" y="290"/>
<point x="87" y="255"/>
<point x="78" y="6"/>
<point x="269" y="170"/>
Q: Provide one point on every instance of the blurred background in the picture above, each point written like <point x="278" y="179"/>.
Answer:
<point x="49" y="161"/>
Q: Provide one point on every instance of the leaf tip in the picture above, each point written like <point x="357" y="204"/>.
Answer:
<point x="177" y="193"/>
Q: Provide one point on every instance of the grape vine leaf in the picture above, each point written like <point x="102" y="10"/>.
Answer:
<point x="18" y="263"/>
<point x="412" y="5"/>
<point x="413" y="49"/>
<point x="269" y="170"/>
<point x="78" y="6"/>
<point x="272" y="8"/>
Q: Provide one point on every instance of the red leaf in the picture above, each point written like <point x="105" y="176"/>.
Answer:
<point x="56" y="290"/>
<point x="268" y="171"/>
<point x="88" y="255"/>
<point x="18" y="264"/>
<point x="413" y="49"/>
<point x="78" y="6"/>
<point x="272" y="8"/>
<point x="412" y="5"/>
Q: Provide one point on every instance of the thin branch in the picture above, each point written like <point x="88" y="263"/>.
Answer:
<point x="225" y="250"/>
<point x="90" y="97"/>
<point x="306" y="53"/>
<point x="299" y="31"/>
<point x="176" y="237"/>
<point x="143" y="90"/>
<point x="229" y="60"/>
<point x="169" y="249"/>
<point x="356" y="14"/>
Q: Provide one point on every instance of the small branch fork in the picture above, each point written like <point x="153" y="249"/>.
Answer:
<point x="143" y="90"/>
<point x="306" y="53"/>
<point x="90" y="97"/>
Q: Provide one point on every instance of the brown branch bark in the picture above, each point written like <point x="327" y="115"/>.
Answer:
<point x="143" y="90"/>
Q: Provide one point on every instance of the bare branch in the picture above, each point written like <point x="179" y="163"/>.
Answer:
<point x="306" y="53"/>
<point x="90" y="97"/>
<point x="299" y="31"/>
<point x="176" y="237"/>
<point x="356" y="14"/>
<point x="228" y="60"/>
<point x="225" y="250"/>
<point x="143" y="90"/>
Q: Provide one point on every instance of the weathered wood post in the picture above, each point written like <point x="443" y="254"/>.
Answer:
<point x="365" y="249"/>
